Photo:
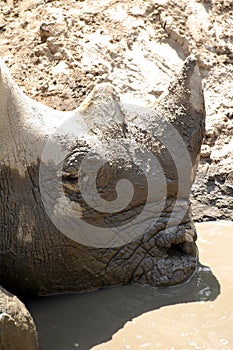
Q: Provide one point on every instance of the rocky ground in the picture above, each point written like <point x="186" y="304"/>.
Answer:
<point x="58" y="50"/>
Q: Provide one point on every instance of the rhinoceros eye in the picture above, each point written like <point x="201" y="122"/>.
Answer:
<point x="70" y="171"/>
<point x="72" y="163"/>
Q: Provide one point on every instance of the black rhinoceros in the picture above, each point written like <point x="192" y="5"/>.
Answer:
<point x="98" y="196"/>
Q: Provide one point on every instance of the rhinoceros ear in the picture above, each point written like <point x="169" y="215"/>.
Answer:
<point x="102" y="110"/>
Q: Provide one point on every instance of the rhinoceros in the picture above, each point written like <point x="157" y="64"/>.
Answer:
<point x="99" y="196"/>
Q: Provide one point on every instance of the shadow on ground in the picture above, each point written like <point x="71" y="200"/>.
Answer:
<point x="82" y="320"/>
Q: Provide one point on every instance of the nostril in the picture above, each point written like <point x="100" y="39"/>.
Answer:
<point x="188" y="248"/>
<point x="70" y="173"/>
<point x="175" y="249"/>
<point x="178" y="240"/>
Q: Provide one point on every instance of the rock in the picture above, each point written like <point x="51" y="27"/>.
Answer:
<point x="44" y="32"/>
<point x="205" y="151"/>
<point x="17" y="329"/>
<point x="228" y="186"/>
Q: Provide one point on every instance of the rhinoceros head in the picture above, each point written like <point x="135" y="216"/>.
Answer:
<point x="112" y="177"/>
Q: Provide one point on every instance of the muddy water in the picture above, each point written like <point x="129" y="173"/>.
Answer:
<point x="195" y="315"/>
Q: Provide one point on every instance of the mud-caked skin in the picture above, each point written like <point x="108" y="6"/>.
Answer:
<point x="35" y="257"/>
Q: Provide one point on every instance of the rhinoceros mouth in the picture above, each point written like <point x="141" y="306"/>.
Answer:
<point x="170" y="256"/>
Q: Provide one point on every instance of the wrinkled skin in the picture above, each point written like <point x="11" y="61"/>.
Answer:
<point x="35" y="257"/>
